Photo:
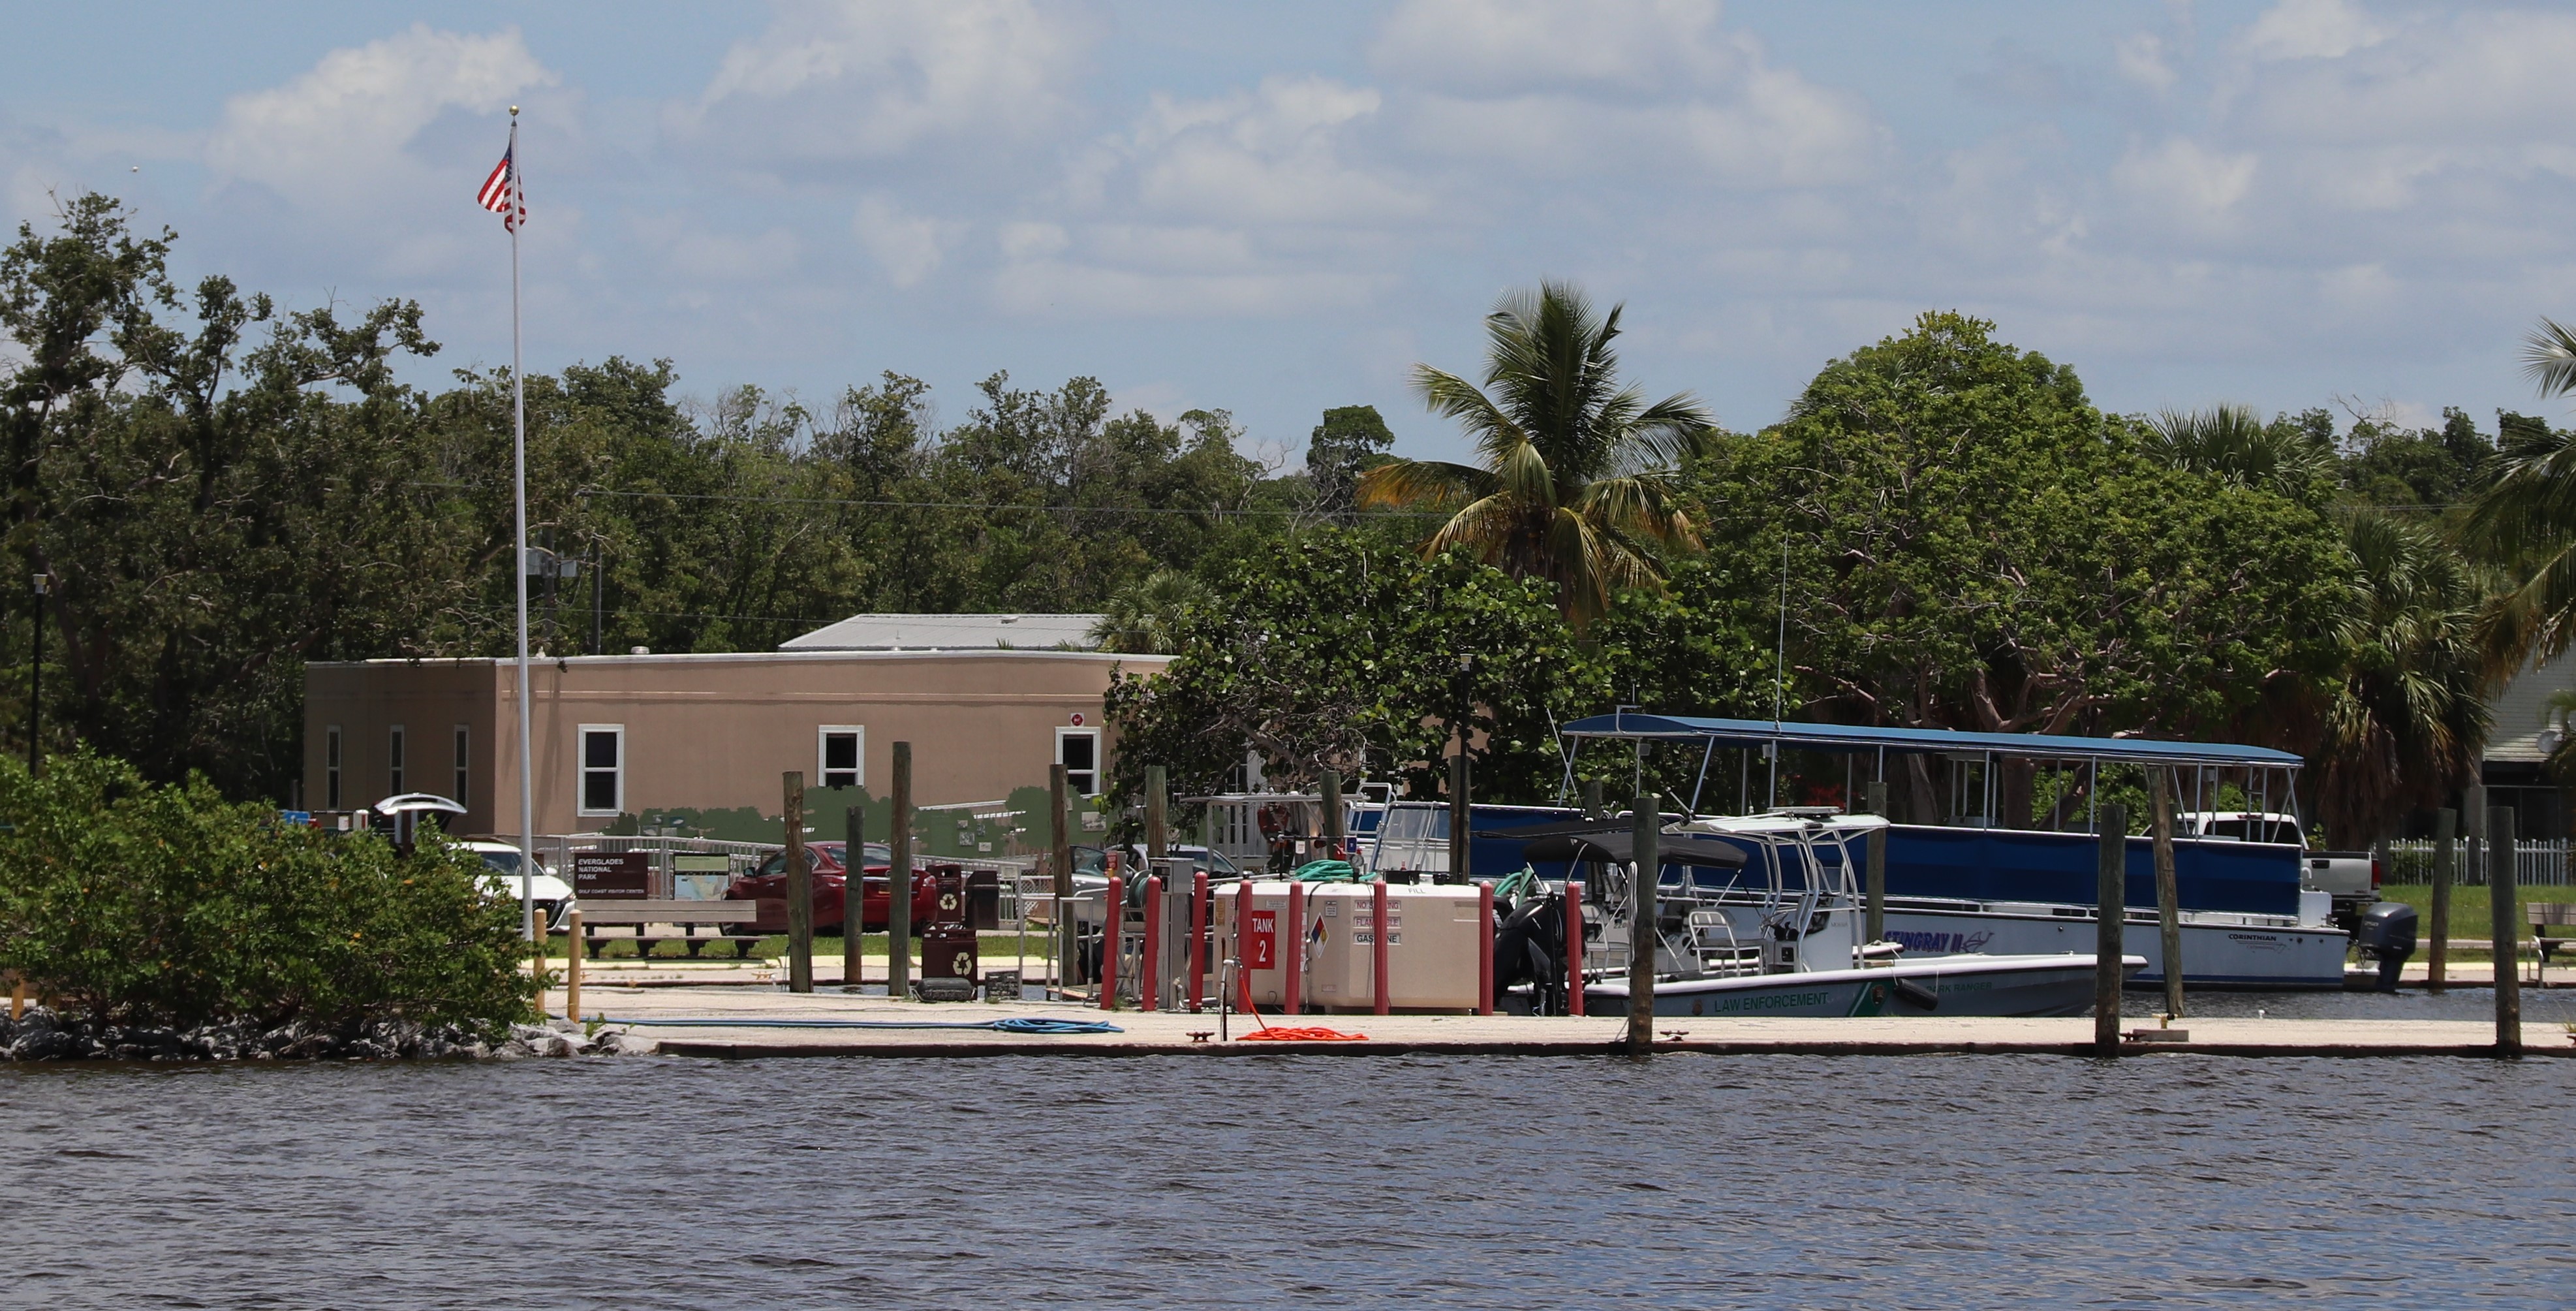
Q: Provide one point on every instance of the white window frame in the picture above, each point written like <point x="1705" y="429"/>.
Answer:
<point x="1099" y="766"/>
<point x="581" y="769"/>
<point x="822" y="763"/>
<point x="397" y="756"/>
<point x="462" y="778"/>
<point x="331" y="741"/>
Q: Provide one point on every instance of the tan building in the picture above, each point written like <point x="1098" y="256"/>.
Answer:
<point x="626" y="736"/>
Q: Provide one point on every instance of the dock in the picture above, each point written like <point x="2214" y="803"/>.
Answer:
<point x="737" y="1022"/>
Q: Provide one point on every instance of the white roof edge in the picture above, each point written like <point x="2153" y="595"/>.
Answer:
<point x="724" y="657"/>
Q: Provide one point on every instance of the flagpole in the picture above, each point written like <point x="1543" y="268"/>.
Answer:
<point x="519" y="494"/>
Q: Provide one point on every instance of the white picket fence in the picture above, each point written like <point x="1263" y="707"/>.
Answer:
<point x="2536" y="863"/>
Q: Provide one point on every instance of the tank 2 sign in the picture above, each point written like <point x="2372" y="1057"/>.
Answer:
<point x="612" y="875"/>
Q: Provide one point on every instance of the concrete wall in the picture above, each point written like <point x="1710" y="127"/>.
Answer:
<point x="706" y="731"/>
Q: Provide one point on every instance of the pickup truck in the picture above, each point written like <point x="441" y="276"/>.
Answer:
<point x="2350" y="877"/>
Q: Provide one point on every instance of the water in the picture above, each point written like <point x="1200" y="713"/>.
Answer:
<point x="1306" y="1181"/>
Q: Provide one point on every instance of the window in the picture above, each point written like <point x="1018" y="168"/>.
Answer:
<point x="839" y="755"/>
<point x="603" y="769"/>
<point x="394" y="761"/>
<point x="1078" y="750"/>
<point x="464" y="753"/>
<point x="331" y="767"/>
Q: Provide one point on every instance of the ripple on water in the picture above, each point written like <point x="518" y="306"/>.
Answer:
<point x="1687" y="1181"/>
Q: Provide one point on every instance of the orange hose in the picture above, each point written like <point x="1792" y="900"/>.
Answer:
<point x="1266" y="1033"/>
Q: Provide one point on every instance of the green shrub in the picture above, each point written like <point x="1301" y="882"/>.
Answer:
<point x="143" y="904"/>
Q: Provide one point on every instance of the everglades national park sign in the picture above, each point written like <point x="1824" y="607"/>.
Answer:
<point x="612" y="875"/>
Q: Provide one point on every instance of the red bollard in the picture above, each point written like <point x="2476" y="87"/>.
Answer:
<point x="1109" y="936"/>
<point x="1293" y="942"/>
<point x="1377" y="906"/>
<point x="1198" y="941"/>
<point x="1146" y="983"/>
<point x="1485" y="949"/>
<point x="1573" y="947"/>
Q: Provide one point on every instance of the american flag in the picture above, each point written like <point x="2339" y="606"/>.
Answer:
<point x="501" y="193"/>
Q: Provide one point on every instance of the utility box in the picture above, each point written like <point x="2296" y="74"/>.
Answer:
<point x="1435" y="939"/>
<point x="984" y="899"/>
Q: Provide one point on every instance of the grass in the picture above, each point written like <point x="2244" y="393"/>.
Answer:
<point x="2469" y="907"/>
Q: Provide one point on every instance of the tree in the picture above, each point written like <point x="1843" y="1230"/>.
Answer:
<point x="1145" y="617"/>
<point x="2524" y="520"/>
<point x="1350" y="440"/>
<point x="2233" y="444"/>
<point x="1577" y="481"/>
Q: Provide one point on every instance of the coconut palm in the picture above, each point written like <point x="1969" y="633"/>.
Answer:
<point x="1576" y="471"/>
<point x="2525" y="521"/>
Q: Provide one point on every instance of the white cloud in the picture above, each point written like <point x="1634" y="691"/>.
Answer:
<point x="1556" y="89"/>
<point x="2189" y="178"/>
<point x="909" y="247"/>
<point x="343" y="130"/>
<point x="1270" y="156"/>
<point x="862" y="80"/>
<point x="2140" y="57"/>
<point x="2312" y="29"/>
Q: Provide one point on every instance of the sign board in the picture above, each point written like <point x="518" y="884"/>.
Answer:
<point x="1261" y="942"/>
<point x="612" y="875"/>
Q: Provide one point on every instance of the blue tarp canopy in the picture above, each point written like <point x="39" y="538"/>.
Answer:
<point x="1857" y="738"/>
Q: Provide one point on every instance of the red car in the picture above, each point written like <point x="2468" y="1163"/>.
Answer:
<point x="768" y="883"/>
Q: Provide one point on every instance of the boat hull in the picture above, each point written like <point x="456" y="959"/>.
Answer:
<point x="2231" y="952"/>
<point x="1957" y="985"/>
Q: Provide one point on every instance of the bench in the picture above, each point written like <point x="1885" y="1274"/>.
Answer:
<point x="669" y="921"/>
<point x="2544" y="916"/>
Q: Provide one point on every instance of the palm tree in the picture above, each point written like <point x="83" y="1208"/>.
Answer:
<point x="1144" y="617"/>
<point x="2232" y="443"/>
<point x="2525" y="521"/>
<point x="1576" y="473"/>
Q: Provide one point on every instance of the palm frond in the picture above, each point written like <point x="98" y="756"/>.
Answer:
<point x="1422" y="484"/>
<point x="2549" y="358"/>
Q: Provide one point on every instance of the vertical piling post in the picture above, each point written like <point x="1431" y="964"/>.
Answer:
<point x="1485" y="947"/>
<point x="1111" y="943"/>
<point x="1641" y="926"/>
<point x="1874" y="892"/>
<point x="1592" y="808"/>
<point x="1330" y="782"/>
<point x="1157" y="815"/>
<point x="1199" y="920"/>
<point x="1293" y="945"/>
<point x="1148" y="975"/>
<point x="2507" y="930"/>
<point x="2437" y="960"/>
<point x="1378" y="917"/>
<point x="572" y="965"/>
<point x="899" y="881"/>
<point x="2168" y="887"/>
<point x="1573" y="947"/>
<point x="2111" y="913"/>
<point x="800" y="889"/>
<point x="1461" y="855"/>
<point x="1068" y="941"/>
<point x="854" y="894"/>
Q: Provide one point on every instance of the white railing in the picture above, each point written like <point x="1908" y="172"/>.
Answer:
<point x="2537" y="862"/>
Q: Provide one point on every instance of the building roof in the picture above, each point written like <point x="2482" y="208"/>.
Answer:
<point x="1859" y="738"/>
<point x="950" y="633"/>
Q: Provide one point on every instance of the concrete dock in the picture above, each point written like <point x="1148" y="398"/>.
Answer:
<point x="742" y="1022"/>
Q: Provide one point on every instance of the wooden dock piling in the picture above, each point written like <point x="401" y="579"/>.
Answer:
<point x="800" y="888"/>
<point x="1460" y="853"/>
<point x="1157" y="815"/>
<point x="899" y="880"/>
<point x="854" y="901"/>
<point x="2437" y="960"/>
<point x="2160" y="781"/>
<point x="1874" y="891"/>
<point x="2506" y="931"/>
<point x="1649" y="862"/>
<point x="2110" y="914"/>
<point x="1068" y="940"/>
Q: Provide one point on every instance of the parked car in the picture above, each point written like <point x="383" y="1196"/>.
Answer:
<point x="768" y="882"/>
<point x="502" y="860"/>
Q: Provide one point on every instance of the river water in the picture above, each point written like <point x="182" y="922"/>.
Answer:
<point x="1304" y="1181"/>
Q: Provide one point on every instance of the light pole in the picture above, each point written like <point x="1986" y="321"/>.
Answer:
<point x="36" y="683"/>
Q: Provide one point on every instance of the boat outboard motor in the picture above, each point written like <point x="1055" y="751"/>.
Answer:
<point x="2387" y="934"/>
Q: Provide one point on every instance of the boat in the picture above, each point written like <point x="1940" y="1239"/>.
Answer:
<point x="2248" y="918"/>
<point x="1765" y="920"/>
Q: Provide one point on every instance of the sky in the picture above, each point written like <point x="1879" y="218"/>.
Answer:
<point x="1275" y="209"/>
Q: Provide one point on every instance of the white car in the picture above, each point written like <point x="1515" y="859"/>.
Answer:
<point x="549" y="892"/>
